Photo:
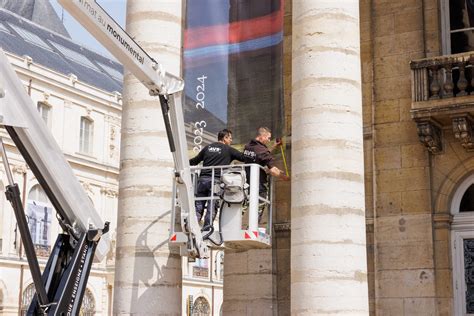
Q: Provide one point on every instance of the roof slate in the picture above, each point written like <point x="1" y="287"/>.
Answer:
<point x="39" y="11"/>
<point x="14" y="43"/>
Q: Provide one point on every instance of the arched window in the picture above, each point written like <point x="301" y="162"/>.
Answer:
<point x="86" y="135"/>
<point x="88" y="304"/>
<point x="27" y="297"/>
<point x="87" y="308"/>
<point x="39" y="211"/>
<point x="1" y="300"/>
<point x="201" y="307"/>
<point x="462" y="238"/>
<point x="467" y="201"/>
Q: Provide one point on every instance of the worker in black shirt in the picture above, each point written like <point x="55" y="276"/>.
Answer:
<point x="219" y="153"/>
<point x="256" y="151"/>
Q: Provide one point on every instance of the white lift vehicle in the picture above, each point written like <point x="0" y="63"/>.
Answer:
<point x="60" y="288"/>
<point x="232" y="232"/>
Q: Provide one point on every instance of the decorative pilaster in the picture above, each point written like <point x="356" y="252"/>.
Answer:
<point x="429" y="134"/>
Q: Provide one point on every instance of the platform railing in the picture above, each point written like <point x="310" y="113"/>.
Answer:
<point x="251" y="206"/>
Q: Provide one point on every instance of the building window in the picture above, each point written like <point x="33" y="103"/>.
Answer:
<point x="201" y="307"/>
<point x="45" y="112"/>
<point x="88" y="304"/>
<point x="462" y="238"/>
<point x="201" y="268"/>
<point x="219" y="266"/>
<point x="86" y="134"/>
<point x="27" y="297"/>
<point x="468" y="249"/>
<point x="39" y="211"/>
<point x="458" y="26"/>
<point x="467" y="201"/>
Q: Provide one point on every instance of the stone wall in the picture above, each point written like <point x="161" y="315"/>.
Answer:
<point x="408" y="252"/>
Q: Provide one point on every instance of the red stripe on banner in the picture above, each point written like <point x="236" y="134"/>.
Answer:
<point x="234" y="32"/>
<point x="247" y="236"/>
<point x="173" y="238"/>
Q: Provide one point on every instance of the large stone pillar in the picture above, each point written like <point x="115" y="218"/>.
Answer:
<point x="328" y="244"/>
<point x="248" y="282"/>
<point x="148" y="274"/>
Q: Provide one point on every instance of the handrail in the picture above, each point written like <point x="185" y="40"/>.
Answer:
<point x="257" y="199"/>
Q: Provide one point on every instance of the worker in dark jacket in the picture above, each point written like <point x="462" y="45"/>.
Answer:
<point x="219" y="153"/>
<point x="256" y="151"/>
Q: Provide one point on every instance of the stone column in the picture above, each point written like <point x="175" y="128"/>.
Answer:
<point x="328" y="243"/>
<point x="248" y="282"/>
<point x="148" y="273"/>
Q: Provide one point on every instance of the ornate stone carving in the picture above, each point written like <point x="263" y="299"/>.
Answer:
<point x="113" y="137"/>
<point x="28" y="60"/>
<point x="87" y="187"/>
<point x="20" y="169"/>
<point x="462" y="129"/>
<point x="72" y="79"/>
<point x="118" y="96"/>
<point x="46" y="96"/>
<point x="110" y="192"/>
<point x="429" y="134"/>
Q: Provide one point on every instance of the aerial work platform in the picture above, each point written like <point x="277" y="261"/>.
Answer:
<point x="185" y="230"/>
<point x="238" y="224"/>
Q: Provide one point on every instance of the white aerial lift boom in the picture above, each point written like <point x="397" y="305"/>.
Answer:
<point x="169" y="88"/>
<point x="60" y="289"/>
<point x="61" y="286"/>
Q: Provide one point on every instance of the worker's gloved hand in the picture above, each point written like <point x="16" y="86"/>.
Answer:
<point x="278" y="141"/>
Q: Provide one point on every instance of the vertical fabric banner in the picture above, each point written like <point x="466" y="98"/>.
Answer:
<point x="232" y="68"/>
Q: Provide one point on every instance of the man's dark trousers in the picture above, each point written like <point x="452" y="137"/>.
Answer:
<point x="204" y="190"/>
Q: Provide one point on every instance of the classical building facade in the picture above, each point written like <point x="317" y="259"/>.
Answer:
<point x="77" y="95"/>
<point x="395" y="76"/>
<point x="417" y="86"/>
<point x="84" y="117"/>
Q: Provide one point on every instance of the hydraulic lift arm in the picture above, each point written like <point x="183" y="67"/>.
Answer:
<point x="62" y="285"/>
<point x="169" y="89"/>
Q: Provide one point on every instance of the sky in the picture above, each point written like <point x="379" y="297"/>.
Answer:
<point x="115" y="8"/>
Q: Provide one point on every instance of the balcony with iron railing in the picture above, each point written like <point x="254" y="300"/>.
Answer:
<point x="443" y="96"/>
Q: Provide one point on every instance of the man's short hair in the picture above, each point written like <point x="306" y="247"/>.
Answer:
<point x="263" y="130"/>
<point x="225" y="132"/>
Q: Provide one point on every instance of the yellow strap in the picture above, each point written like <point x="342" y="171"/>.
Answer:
<point x="284" y="160"/>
